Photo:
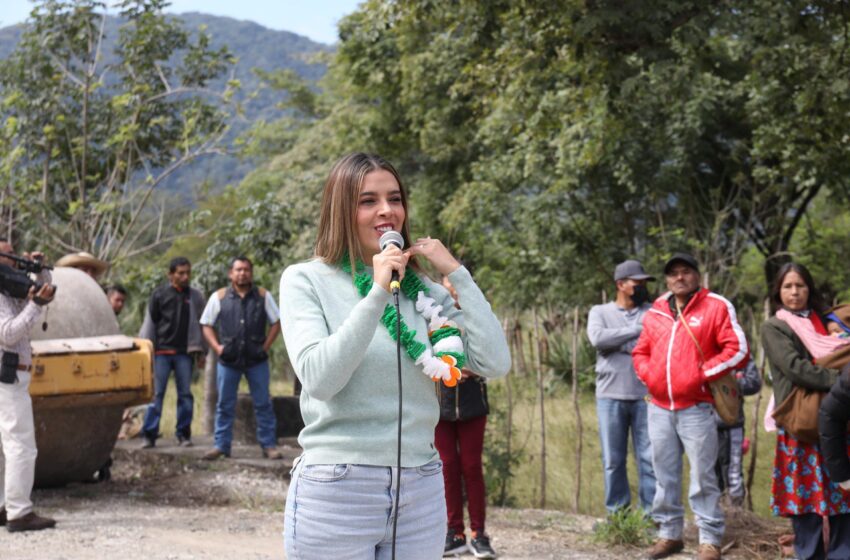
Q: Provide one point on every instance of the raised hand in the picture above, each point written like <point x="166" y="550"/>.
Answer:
<point x="436" y="253"/>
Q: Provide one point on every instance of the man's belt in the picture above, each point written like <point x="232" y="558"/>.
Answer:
<point x="22" y="367"/>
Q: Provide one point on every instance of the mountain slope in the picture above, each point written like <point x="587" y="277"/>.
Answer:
<point x="254" y="46"/>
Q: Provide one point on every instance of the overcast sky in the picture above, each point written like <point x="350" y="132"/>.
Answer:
<point x="315" y="19"/>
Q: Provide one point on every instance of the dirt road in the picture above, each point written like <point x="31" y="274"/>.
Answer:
<point x="180" y="508"/>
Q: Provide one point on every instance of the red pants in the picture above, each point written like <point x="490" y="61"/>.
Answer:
<point x="460" y="445"/>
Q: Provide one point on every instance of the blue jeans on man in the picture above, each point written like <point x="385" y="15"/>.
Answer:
<point x="616" y="418"/>
<point x="691" y="430"/>
<point x="163" y="365"/>
<point x="228" y="386"/>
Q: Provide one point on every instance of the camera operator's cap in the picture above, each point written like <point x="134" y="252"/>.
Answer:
<point x="631" y="269"/>
<point x="83" y="259"/>
<point x="681" y="258"/>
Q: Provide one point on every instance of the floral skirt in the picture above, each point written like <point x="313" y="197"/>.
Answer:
<point x="800" y="482"/>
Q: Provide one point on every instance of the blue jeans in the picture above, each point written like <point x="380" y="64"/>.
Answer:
<point x="616" y="417"/>
<point x="346" y="512"/>
<point x="228" y="385"/>
<point x="162" y="367"/>
<point x="693" y="431"/>
<point x="730" y="462"/>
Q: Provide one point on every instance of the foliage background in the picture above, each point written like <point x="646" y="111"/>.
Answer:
<point x="542" y="145"/>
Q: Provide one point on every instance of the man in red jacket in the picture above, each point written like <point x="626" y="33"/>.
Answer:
<point x="690" y="337"/>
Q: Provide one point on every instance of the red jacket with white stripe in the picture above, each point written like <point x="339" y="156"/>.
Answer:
<point x="669" y="363"/>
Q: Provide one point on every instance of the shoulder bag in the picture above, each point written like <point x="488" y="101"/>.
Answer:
<point x="724" y="390"/>
<point x="798" y="413"/>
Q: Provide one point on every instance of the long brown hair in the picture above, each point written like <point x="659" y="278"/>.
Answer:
<point x="337" y="232"/>
<point x="815" y="303"/>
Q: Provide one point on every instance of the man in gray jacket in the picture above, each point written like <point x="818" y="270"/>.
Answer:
<point x="613" y="329"/>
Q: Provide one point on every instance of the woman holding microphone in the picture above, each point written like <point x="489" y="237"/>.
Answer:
<point x="339" y="327"/>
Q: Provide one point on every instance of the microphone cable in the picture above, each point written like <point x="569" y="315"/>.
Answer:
<point x="394" y="285"/>
<point x="395" y="238"/>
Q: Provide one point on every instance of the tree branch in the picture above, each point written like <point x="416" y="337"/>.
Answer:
<point x="798" y="215"/>
<point x="169" y="239"/>
<point x="100" y="35"/>
<point x="162" y="77"/>
<point x="184" y="89"/>
<point x="168" y="171"/>
<point x="64" y="70"/>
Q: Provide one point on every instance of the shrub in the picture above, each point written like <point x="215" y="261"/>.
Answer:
<point x="626" y="526"/>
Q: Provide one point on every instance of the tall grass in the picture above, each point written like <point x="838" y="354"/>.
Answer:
<point x="524" y="485"/>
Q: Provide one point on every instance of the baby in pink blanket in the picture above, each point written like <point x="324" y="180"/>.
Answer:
<point x="831" y="351"/>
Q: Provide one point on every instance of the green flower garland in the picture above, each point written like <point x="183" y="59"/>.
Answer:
<point x="450" y="357"/>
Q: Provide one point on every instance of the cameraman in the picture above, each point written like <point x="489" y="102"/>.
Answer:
<point x="17" y="431"/>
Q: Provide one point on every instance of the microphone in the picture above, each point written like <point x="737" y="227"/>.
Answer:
<point x="392" y="237"/>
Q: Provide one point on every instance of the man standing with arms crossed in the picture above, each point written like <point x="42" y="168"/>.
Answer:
<point x="242" y="312"/>
<point x="613" y="329"/>
<point x="17" y="429"/>
<point x="690" y="337"/>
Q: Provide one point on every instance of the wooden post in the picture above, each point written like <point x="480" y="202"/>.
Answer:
<point x="540" y="394"/>
<point x="522" y="367"/>
<point x="754" y="437"/>
<point x="210" y="392"/>
<point x="579" y="427"/>
<point x="509" y="420"/>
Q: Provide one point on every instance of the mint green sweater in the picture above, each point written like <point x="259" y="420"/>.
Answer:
<point x="346" y="361"/>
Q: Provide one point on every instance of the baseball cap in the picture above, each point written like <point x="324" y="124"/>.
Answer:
<point x="681" y="258"/>
<point x="631" y="269"/>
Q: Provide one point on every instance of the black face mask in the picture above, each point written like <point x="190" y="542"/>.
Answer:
<point x="640" y="295"/>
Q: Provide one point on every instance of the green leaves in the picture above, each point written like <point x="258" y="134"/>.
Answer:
<point x="100" y="130"/>
<point x="546" y="145"/>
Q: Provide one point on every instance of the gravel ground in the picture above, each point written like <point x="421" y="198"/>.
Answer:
<point x="171" y="507"/>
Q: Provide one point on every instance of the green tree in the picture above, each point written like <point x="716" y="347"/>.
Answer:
<point x="88" y="143"/>
<point x="635" y="128"/>
<point x="545" y="145"/>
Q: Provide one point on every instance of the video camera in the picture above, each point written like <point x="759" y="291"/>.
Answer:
<point x="26" y="265"/>
<point x="15" y="282"/>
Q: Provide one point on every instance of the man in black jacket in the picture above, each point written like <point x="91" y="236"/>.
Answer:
<point x="171" y="322"/>
<point x="248" y="322"/>
<point x="834" y="416"/>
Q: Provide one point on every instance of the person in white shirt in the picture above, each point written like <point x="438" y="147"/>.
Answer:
<point x="247" y="322"/>
<point x="17" y="428"/>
